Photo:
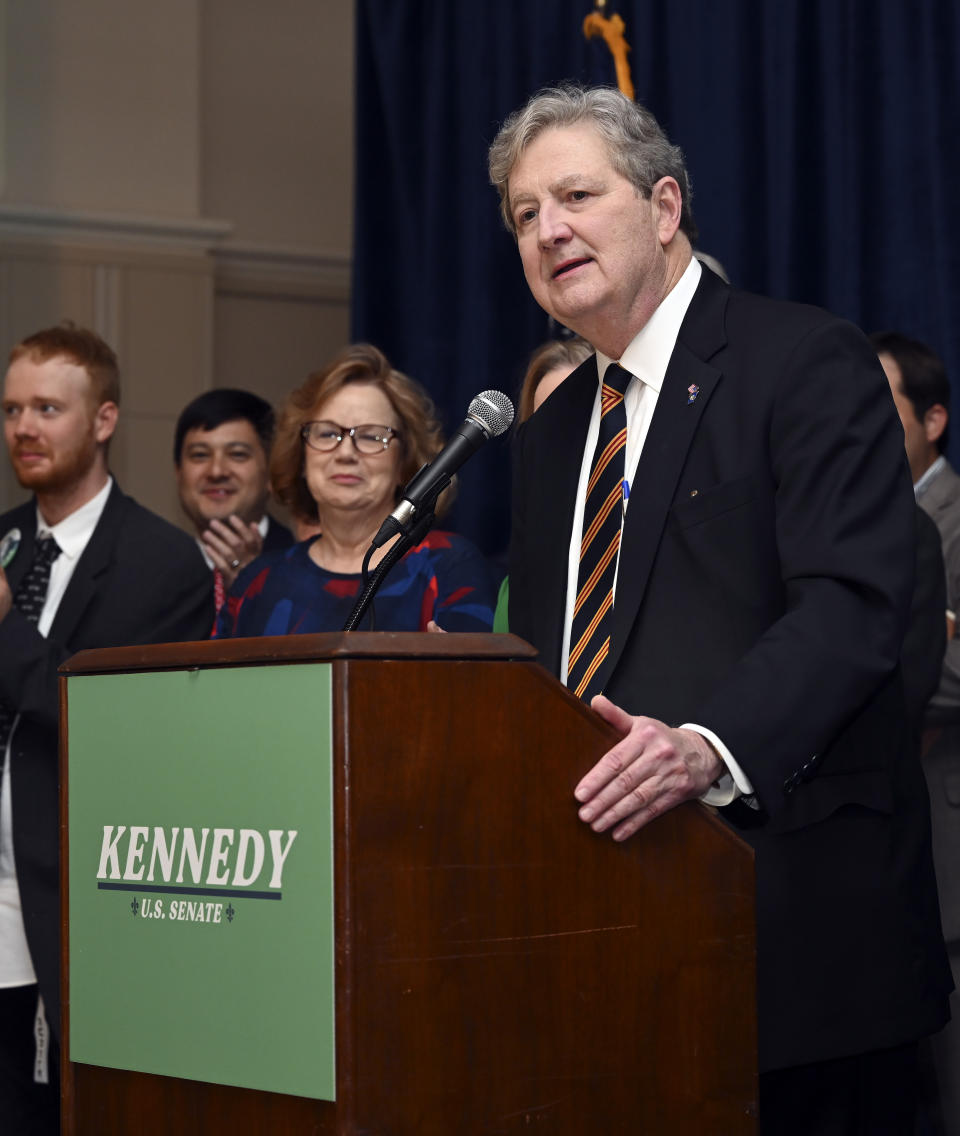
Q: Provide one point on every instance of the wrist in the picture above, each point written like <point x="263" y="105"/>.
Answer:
<point x="709" y="759"/>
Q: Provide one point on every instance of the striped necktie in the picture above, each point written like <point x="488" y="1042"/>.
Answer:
<point x="29" y="599"/>
<point x="600" y="543"/>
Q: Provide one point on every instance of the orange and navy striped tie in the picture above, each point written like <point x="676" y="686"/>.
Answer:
<point x="602" y="520"/>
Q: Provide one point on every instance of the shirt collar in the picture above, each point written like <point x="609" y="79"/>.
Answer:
<point x="73" y="532"/>
<point x="923" y="484"/>
<point x="648" y="353"/>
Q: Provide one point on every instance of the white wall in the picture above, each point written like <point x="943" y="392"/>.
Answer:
<point x="179" y="177"/>
<point x="102" y="101"/>
<point x="277" y="98"/>
<point x="277" y="160"/>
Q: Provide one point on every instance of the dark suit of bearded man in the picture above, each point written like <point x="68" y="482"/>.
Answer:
<point x="83" y="566"/>
<point x="764" y="583"/>
<point x="139" y="580"/>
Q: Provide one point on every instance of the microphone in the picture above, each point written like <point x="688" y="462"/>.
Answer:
<point x="488" y="416"/>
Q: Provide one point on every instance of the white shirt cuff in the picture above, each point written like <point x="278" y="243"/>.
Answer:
<point x="733" y="782"/>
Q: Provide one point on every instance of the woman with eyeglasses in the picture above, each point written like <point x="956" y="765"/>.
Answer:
<point x="348" y="440"/>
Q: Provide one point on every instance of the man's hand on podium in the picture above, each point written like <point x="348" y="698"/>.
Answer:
<point x="654" y="768"/>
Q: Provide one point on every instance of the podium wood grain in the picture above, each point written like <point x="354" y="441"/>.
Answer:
<point x="499" y="967"/>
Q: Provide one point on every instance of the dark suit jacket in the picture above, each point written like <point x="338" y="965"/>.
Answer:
<point x="941" y="762"/>
<point x="941" y="502"/>
<point x="921" y="656"/>
<point x="139" y="580"/>
<point x="764" y="584"/>
<point x="278" y="537"/>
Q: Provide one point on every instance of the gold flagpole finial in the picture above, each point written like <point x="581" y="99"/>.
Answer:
<point x="612" y="29"/>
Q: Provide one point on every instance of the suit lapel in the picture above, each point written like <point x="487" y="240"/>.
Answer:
<point x="93" y="562"/>
<point x="672" y="430"/>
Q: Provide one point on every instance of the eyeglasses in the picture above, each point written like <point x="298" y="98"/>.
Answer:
<point x="326" y="436"/>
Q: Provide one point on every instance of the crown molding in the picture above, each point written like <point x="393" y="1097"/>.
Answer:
<point x="240" y="268"/>
<point x="249" y="268"/>
<point x="36" y="224"/>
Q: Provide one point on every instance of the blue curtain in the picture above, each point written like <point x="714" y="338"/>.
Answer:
<point x="822" y="136"/>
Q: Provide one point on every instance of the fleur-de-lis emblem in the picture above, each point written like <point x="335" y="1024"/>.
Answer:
<point x="692" y="390"/>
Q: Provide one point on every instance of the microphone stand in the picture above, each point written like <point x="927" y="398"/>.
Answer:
<point x="407" y="541"/>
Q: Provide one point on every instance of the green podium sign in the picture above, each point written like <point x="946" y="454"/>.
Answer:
<point x="201" y="875"/>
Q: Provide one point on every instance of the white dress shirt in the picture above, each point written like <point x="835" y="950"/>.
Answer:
<point x="72" y="535"/>
<point x="646" y="357"/>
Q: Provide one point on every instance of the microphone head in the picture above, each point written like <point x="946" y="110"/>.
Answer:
<point x="493" y="410"/>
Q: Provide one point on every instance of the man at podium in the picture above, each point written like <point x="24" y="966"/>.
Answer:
<point x="713" y="544"/>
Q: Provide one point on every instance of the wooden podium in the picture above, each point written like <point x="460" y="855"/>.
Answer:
<point x="499" y="968"/>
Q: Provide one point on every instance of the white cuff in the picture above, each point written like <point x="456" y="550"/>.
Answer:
<point x="733" y="782"/>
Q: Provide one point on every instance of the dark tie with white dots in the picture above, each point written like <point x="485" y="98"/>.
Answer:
<point x="29" y="599"/>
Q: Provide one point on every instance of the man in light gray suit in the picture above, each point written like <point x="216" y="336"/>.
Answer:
<point x="918" y="380"/>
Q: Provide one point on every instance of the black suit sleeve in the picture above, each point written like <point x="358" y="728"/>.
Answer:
<point x="844" y="517"/>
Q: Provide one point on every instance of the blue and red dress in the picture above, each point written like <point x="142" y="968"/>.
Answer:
<point x="284" y="593"/>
